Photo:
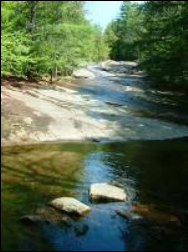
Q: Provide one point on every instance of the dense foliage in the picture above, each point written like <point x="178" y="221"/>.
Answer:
<point x="52" y="37"/>
<point x="156" y="34"/>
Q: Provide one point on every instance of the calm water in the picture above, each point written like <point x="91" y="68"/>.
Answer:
<point x="153" y="172"/>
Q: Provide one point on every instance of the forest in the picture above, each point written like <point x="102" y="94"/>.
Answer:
<point x="40" y="37"/>
<point x="155" y="34"/>
<point x="54" y="37"/>
<point x="94" y="125"/>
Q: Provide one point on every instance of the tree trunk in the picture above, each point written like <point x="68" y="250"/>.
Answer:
<point x="33" y="15"/>
<point x="54" y="73"/>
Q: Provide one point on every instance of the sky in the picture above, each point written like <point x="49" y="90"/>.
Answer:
<point x="102" y="12"/>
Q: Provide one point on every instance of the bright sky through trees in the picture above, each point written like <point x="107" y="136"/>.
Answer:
<point x="102" y="12"/>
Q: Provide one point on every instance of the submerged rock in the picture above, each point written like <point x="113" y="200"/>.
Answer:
<point x="52" y="215"/>
<point x="104" y="192"/>
<point x="46" y="215"/>
<point x="32" y="219"/>
<point x="156" y="214"/>
<point x="150" y="213"/>
<point x="81" y="230"/>
<point x="70" y="206"/>
<point x="128" y="215"/>
<point x="115" y="104"/>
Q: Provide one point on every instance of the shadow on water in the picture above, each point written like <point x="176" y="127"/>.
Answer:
<point x="135" y="96"/>
<point x="130" y="108"/>
<point x="154" y="173"/>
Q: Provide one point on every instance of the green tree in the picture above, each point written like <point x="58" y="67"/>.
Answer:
<point x="53" y="37"/>
<point x="156" y="34"/>
<point x="124" y="34"/>
<point x="165" y="53"/>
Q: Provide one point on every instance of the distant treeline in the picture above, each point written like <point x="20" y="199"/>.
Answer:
<point x="54" y="37"/>
<point x="155" y="33"/>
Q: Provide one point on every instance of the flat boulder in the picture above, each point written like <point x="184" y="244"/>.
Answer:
<point x="104" y="192"/>
<point x="70" y="206"/>
<point x="83" y="74"/>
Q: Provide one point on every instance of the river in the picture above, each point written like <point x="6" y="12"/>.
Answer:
<point x="153" y="169"/>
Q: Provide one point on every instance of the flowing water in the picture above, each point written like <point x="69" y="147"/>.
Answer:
<point x="153" y="172"/>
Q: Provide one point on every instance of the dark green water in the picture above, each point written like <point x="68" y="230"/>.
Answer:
<point x="154" y="172"/>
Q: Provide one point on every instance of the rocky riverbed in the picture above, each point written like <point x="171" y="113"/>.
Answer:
<point x="107" y="102"/>
<point x="61" y="142"/>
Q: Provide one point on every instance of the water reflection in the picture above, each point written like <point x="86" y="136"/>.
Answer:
<point x="154" y="172"/>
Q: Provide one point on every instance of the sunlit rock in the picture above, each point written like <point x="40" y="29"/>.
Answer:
<point x="104" y="192"/>
<point x="70" y="206"/>
<point x="83" y="74"/>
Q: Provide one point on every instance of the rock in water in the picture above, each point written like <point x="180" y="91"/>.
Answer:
<point x="128" y="215"/>
<point x="104" y="192"/>
<point x="155" y="213"/>
<point x="47" y="215"/>
<point x="81" y="230"/>
<point x="83" y="74"/>
<point x="70" y="206"/>
<point x="51" y="215"/>
<point x="32" y="219"/>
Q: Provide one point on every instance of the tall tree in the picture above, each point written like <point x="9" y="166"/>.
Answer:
<point x="127" y="30"/>
<point x="52" y="37"/>
<point x="165" y="54"/>
<point x="33" y="15"/>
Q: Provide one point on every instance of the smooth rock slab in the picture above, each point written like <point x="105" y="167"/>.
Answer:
<point x="70" y="206"/>
<point x="105" y="192"/>
<point x="83" y="73"/>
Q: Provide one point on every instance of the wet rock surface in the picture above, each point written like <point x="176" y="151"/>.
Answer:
<point x="152" y="213"/>
<point x="46" y="215"/>
<point x="32" y="219"/>
<point x="111" y="107"/>
<point x="120" y="67"/>
<point x="129" y="215"/>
